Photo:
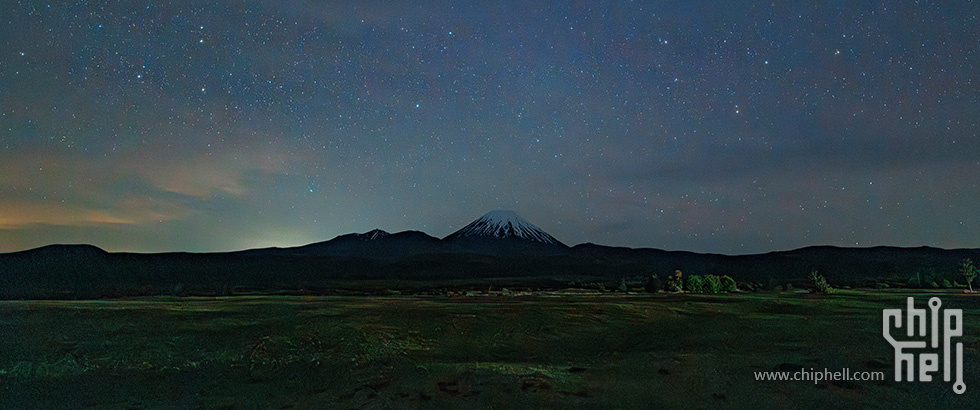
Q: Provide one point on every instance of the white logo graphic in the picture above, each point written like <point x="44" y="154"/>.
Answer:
<point x="952" y="320"/>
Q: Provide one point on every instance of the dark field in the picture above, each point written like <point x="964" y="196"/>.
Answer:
<point x="551" y="351"/>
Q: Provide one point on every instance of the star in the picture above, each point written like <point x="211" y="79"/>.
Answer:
<point x="546" y="109"/>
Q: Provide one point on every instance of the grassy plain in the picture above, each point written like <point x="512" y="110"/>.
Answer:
<point x="534" y="351"/>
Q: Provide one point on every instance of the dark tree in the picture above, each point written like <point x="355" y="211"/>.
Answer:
<point x="818" y="283"/>
<point x="653" y="284"/>
<point x="969" y="272"/>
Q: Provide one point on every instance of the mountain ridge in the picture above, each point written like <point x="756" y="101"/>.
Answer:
<point x="61" y="272"/>
<point x="83" y="249"/>
<point x="501" y="247"/>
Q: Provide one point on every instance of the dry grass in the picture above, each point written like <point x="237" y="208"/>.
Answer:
<point x="610" y="351"/>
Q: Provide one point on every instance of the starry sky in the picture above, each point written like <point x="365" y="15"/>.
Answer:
<point x="730" y="127"/>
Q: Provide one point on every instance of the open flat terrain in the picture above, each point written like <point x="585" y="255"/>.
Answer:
<point x="536" y="351"/>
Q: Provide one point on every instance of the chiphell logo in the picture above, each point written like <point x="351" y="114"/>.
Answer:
<point x="928" y="356"/>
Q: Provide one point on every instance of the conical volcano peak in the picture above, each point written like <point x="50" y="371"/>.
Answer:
<point x="503" y="216"/>
<point x="503" y="224"/>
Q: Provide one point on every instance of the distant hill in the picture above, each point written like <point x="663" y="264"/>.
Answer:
<point x="375" y="244"/>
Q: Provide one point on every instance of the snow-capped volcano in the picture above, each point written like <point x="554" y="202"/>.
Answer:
<point x="503" y="224"/>
<point x="374" y="235"/>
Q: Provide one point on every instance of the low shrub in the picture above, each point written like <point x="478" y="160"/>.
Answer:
<point x="712" y="284"/>
<point x="728" y="284"/>
<point x="695" y="284"/>
<point x="675" y="282"/>
<point x="818" y="283"/>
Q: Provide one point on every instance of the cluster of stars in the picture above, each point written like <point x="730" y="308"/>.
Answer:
<point x="688" y="128"/>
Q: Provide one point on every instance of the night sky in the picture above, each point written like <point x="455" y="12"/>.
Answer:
<point x="732" y="127"/>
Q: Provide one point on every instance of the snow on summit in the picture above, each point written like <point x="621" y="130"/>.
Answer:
<point x="503" y="223"/>
<point x="375" y="234"/>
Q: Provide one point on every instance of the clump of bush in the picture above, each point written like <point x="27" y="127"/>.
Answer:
<point x="969" y="272"/>
<point x="675" y="282"/>
<point x="692" y="283"/>
<point x="622" y="285"/>
<point x="728" y="284"/>
<point x="710" y="284"/>
<point x="695" y="284"/>
<point x="818" y="283"/>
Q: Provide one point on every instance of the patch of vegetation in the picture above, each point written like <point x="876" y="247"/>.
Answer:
<point x="675" y="282"/>
<point x="969" y="272"/>
<point x="694" y="284"/>
<point x="818" y="283"/>
<point x="709" y="284"/>
<point x="270" y="356"/>
<point x="712" y="284"/>
<point x="728" y="284"/>
<point x="622" y="285"/>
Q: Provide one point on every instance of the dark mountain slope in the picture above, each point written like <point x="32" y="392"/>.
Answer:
<point x="79" y="271"/>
